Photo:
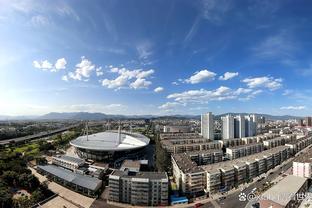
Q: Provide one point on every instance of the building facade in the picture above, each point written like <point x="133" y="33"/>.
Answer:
<point x="207" y="126"/>
<point x="142" y="188"/>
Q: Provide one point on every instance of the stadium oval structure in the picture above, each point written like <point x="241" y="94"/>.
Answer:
<point x="104" y="145"/>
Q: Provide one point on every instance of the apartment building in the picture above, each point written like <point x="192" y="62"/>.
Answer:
<point x="207" y="127"/>
<point x="141" y="188"/>
<point x="299" y="144"/>
<point x="190" y="178"/>
<point x="189" y="145"/>
<point x="243" y="150"/>
<point x="271" y="143"/>
<point x="68" y="162"/>
<point x="227" y="174"/>
<point x="206" y="157"/>
<point x="302" y="165"/>
<point x="213" y="178"/>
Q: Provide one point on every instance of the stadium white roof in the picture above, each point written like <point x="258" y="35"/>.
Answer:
<point x="109" y="141"/>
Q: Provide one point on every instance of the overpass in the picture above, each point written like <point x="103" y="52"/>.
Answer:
<point x="36" y="136"/>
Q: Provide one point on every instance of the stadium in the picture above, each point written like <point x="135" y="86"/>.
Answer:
<point x="109" y="145"/>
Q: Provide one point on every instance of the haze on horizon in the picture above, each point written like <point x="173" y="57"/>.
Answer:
<point x="156" y="57"/>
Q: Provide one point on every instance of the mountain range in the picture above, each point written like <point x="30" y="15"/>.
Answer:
<point x="102" y="116"/>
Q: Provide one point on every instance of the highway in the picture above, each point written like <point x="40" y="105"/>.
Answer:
<point x="37" y="136"/>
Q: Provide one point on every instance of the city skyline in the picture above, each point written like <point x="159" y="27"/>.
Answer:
<point x="159" y="58"/>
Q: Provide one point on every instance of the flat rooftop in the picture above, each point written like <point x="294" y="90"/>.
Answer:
<point x="304" y="158"/>
<point x="186" y="165"/>
<point x="70" y="159"/>
<point x="69" y="176"/>
<point x="131" y="164"/>
<point x="289" y="185"/>
<point x="149" y="175"/>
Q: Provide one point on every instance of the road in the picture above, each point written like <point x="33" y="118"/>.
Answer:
<point x="37" y="136"/>
<point x="232" y="201"/>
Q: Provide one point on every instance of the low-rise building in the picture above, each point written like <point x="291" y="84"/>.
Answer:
<point x="302" y="165"/>
<point x="142" y="188"/>
<point x="68" y="162"/>
<point x="190" y="178"/>
<point x="286" y="193"/>
<point x="84" y="184"/>
<point x="243" y="150"/>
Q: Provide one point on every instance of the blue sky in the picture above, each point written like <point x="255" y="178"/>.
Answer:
<point x="155" y="57"/>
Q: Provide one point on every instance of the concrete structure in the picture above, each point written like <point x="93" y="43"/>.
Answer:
<point x="104" y="145"/>
<point x="131" y="165"/>
<point x="302" y="165"/>
<point x="190" y="178"/>
<point x="286" y="193"/>
<point x="250" y="125"/>
<point x="182" y="143"/>
<point x="308" y="121"/>
<point x="228" y="127"/>
<point x="176" y="129"/>
<point x="225" y="175"/>
<point x="142" y="188"/>
<point x="68" y="162"/>
<point x="239" y="126"/>
<point x="84" y="184"/>
<point x="207" y="126"/>
<point x="206" y="157"/>
<point x="243" y="150"/>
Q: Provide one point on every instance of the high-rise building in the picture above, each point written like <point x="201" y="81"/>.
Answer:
<point x="239" y="126"/>
<point x="308" y="121"/>
<point x="300" y="122"/>
<point x="207" y="125"/>
<point x="228" y="127"/>
<point x="250" y="125"/>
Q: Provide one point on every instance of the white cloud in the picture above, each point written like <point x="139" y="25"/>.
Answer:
<point x="60" y="64"/>
<point x="214" y="10"/>
<point x="135" y="79"/>
<point x="228" y="75"/>
<point x="83" y="69"/>
<point x="158" y="89"/>
<point x="201" y="76"/>
<point x="280" y="47"/>
<point x="174" y="83"/>
<point x="293" y="107"/>
<point x="266" y="82"/>
<point x="140" y="83"/>
<point x="99" y="71"/>
<point x="46" y="65"/>
<point x="170" y="105"/>
<point x="39" y="20"/>
<point x="204" y="96"/>
<point x="43" y="65"/>
<point x="65" y="78"/>
<point x="144" y="50"/>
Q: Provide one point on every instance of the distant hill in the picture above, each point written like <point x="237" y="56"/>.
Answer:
<point x="267" y="116"/>
<point x="103" y="116"/>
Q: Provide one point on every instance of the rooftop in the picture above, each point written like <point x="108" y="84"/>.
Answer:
<point x="108" y="141"/>
<point x="70" y="159"/>
<point x="186" y="165"/>
<point x="289" y="185"/>
<point x="78" y="179"/>
<point x="148" y="175"/>
<point x="131" y="164"/>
